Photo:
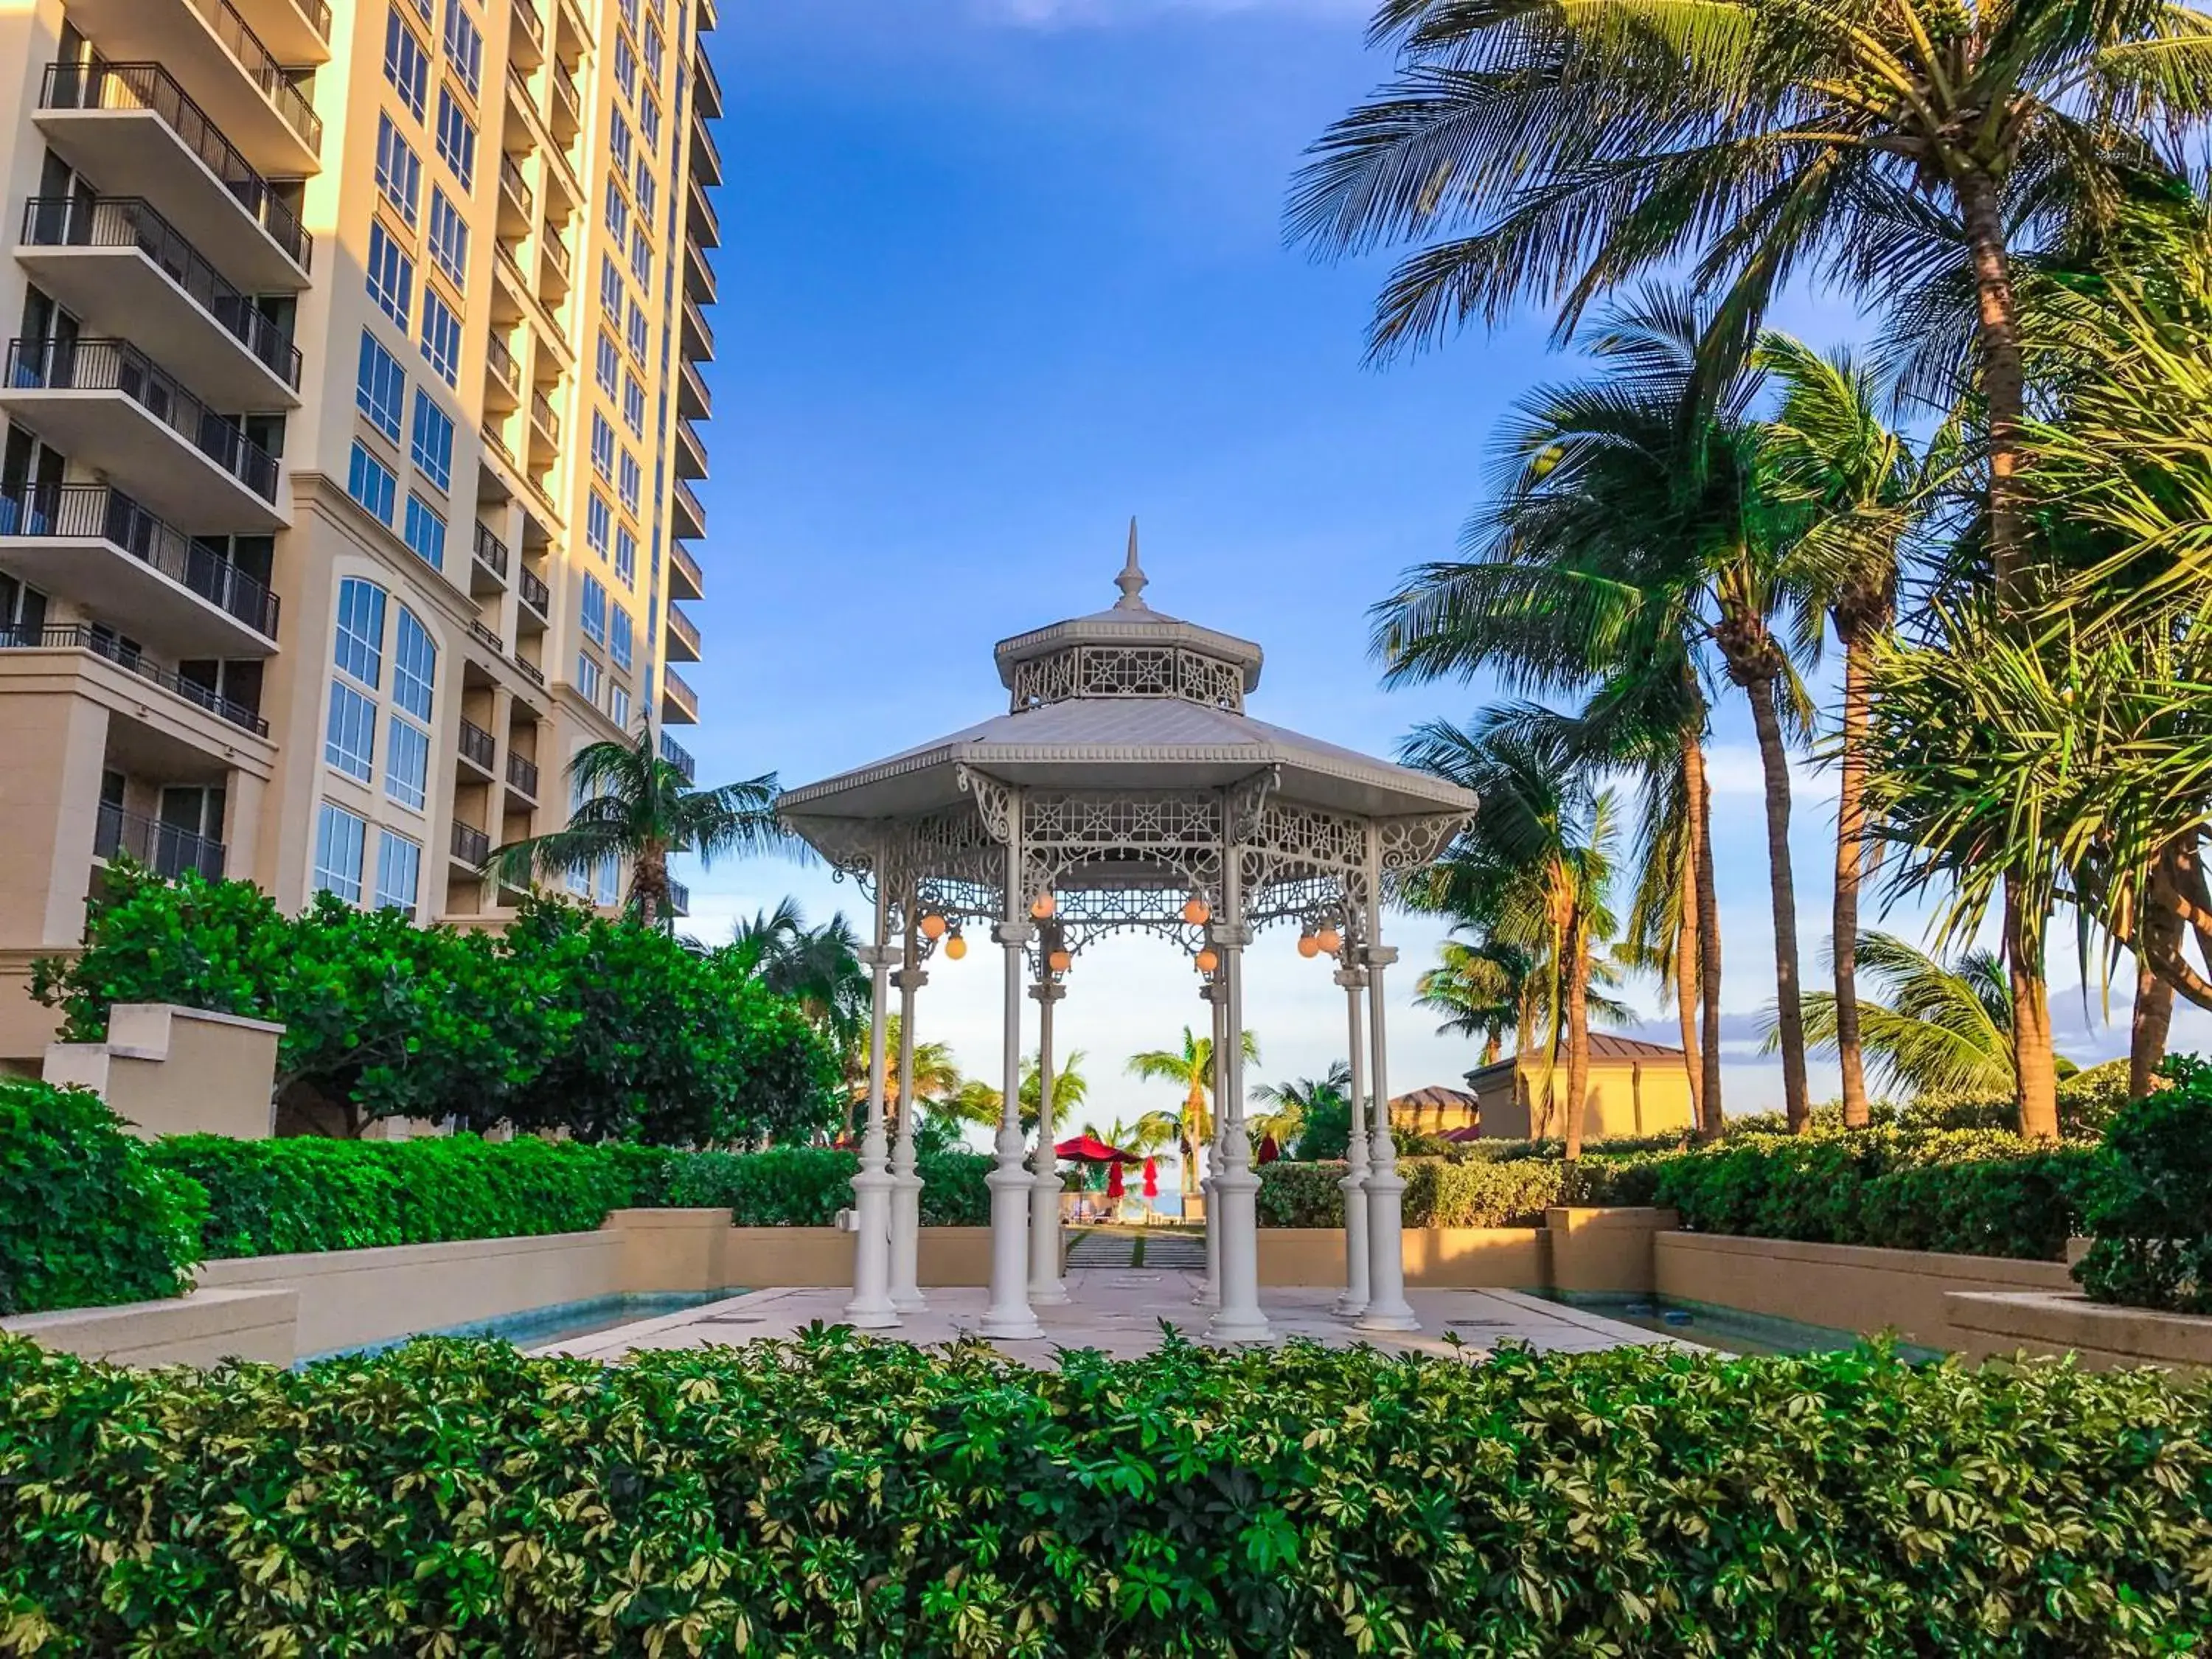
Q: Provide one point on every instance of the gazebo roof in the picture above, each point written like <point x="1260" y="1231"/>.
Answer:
<point x="1126" y="699"/>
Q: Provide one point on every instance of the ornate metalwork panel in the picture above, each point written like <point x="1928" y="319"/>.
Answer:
<point x="1128" y="670"/>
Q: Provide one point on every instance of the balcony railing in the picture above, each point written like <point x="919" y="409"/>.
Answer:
<point x="564" y="93"/>
<point x="695" y="319"/>
<point x="484" y="636"/>
<point x="687" y="500"/>
<point x="535" y="594"/>
<point x="679" y="899"/>
<point x="523" y="775"/>
<point x="262" y="68"/>
<point x="679" y="757"/>
<point x="703" y="149"/>
<point x="501" y="356"/>
<point x="556" y="250"/>
<point x="681" y="557"/>
<point x="165" y="848"/>
<point x="477" y="746"/>
<point x="526" y="13"/>
<point x="679" y="691"/>
<point x="96" y="513"/>
<point x="130" y="221"/>
<point x="699" y="219"/>
<point x="149" y="86"/>
<point x="707" y="91"/>
<point x="78" y="637"/>
<point x="530" y="671"/>
<point x="319" y="17"/>
<point x="511" y="176"/>
<point x="470" y="845"/>
<point x="58" y="365"/>
<point x="684" y="628"/>
<point x="541" y="411"/>
<point x="491" y="552"/>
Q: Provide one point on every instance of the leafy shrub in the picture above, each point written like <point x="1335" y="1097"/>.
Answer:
<point x="807" y="1186"/>
<point x="2088" y="1100"/>
<point x="86" y="1219"/>
<point x="837" y="1496"/>
<point x="1439" y="1193"/>
<point x="2150" y="1200"/>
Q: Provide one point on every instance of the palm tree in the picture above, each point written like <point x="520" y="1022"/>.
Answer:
<point x="974" y="1101"/>
<point x="1536" y="861"/>
<point x="1933" y="1027"/>
<point x="1829" y="448"/>
<point x="817" y="968"/>
<point x="1294" y="1100"/>
<point x="1191" y="1069"/>
<point x="936" y="1074"/>
<point x="634" y="807"/>
<point x="1483" y="990"/>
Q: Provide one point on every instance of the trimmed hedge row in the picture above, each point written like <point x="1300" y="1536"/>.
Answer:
<point x="1440" y="1192"/>
<point x="835" y="1495"/>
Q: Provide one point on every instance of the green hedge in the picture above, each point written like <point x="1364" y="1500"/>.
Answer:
<point x="273" y="1197"/>
<point x="1439" y="1193"/>
<point x="2150" y="1200"/>
<point x="86" y="1218"/>
<point x="838" y="1496"/>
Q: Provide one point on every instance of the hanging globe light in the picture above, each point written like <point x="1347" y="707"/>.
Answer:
<point x="954" y="948"/>
<point x="1043" y="905"/>
<point x="1197" y="913"/>
<point x="1207" y="962"/>
<point x="1330" y="939"/>
<point x="1059" y="961"/>
<point x="933" y="924"/>
<point x="1308" y="946"/>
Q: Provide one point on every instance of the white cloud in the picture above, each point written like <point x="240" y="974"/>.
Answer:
<point x="1733" y="769"/>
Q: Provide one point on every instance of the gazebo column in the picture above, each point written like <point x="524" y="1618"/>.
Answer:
<point x="1009" y="1315"/>
<point x="870" y="1308"/>
<point x="1235" y="1188"/>
<point x="1353" y="1302"/>
<point x="1215" y="995"/>
<point x="906" y="1183"/>
<point x="1387" y="1307"/>
<point x="1047" y="1288"/>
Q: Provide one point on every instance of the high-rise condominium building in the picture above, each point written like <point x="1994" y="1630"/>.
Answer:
<point x="351" y="413"/>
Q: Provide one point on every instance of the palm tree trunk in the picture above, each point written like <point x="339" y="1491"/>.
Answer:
<point x="1578" y="1036"/>
<point x="1685" y="982"/>
<point x="2002" y="375"/>
<point x="2147" y="1028"/>
<point x="2038" y="1078"/>
<point x="1790" y="1012"/>
<point x="1708" y="921"/>
<point x="1850" y="865"/>
<point x="649" y="879"/>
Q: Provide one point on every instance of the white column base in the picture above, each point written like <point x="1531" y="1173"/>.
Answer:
<point x="1353" y="1302"/>
<point x="1209" y="1295"/>
<point x="1009" y="1318"/>
<point x="1047" y="1288"/>
<point x="1387" y="1308"/>
<point x="906" y="1241"/>
<point x="1237" y="1317"/>
<point x="870" y="1308"/>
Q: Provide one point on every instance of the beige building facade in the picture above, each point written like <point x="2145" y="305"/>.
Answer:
<point x="351" y="417"/>
<point x="1634" y="1088"/>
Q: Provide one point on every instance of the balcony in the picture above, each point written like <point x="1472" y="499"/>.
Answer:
<point x="709" y="21"/>
<point x="698" y="337"/>
<point x="105" y="404"/>
<point x="565" y="117"/>
<point x="545" y="418"/>
<point x="691" y="398"/>
<point x="706" y="88"/>
<point x="470" y="846"/>
<point x="111" y="649"/>
<point x="130" y="126"/>
<point x="124" y="269"/>
<point x="553" y="269"/>
<point x="503" y="390"/>
<point x="209" y="47"/>
<point x="477" y="748"/>
<point x="682" y="637"/>
<point x="698" y="275"/>
<point x="526" y="42"/>
<point x="679" y="899"/>
<point x="679" y="757"/>
<point x="517" y="206"/>
<point x="686" y="579"/>
<point x="690" y="450"/>
<point x="531" y="672"/>
<point x="537" y="597"/>
<point x="488" y="563"/>
<point x="486" y="637"/>
<point x="680" y="704"/>
<point x="522" y="776"/>
<point x="706" y="158"/>
<point x="97" y="547"/>
<point x="688" y="520"/>
<point x="164" y="848"/>
<point x="699" y="219"/>
<point x="297" y="31"/>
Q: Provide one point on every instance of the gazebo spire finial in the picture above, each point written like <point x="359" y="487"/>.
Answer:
<point x="1132" y="581"/>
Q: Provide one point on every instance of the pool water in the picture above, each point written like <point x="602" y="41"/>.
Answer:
<point x="1729" y="1330"/>
<point x="537" y="1327"/>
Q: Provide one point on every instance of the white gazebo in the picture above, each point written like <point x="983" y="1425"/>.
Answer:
<point x="1125" y="788"/>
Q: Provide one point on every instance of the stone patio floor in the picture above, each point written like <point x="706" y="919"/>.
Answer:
<point x="1121" y="1310"/>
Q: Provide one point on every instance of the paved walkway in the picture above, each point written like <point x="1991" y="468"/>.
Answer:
<point x="1121" y="1310"/>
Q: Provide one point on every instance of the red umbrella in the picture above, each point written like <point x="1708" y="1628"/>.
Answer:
<point x="1151" y="1177"/>
<point x="1113" y="1183"/>
<point x="1089" y="1149"/>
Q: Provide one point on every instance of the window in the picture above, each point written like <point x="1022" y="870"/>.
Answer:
<point x="629" y="12"/>
<point x="609" y="368"/>
<point x="349" y="742"/>
<point x="617" y="212"/>
<point x="618" y="638"/>
<point x="369" y="482"/>
<point x="595" y="609"/>
<point x="626" y="557"/>
<point x="625" y="66"/>
<point x="449" y="239"/>
<point x="618" y="705"/>
<point x="457" y="138"/>
<point x="641" y="258"/>
<point x="588" y="676"/>
<point x="633" y="405"/>
<point x="380" y="388"/>
<point x="463" y="47"/>
<point x="359" y="650"/>
<point x="610" y="286"/>
<point x="406" y="64"/>
<point x="426" y="532"/>
<point x="606" y="886"/>
<point x="633" y="481"/>
<point x="441" y="337"/>
<point x="407" y="763"/>
<point x="391" y="275"/>
<point x="648" y="189"/>
<point x="640" y="332"/>
<point x="414" y="667"/>
<point x="341" y="839"/>
<point x="649" y="123"/>
<point x="602" y="446"/>
<point x="618" y="140"/>
<point x="433" y="447"/>
<point x="399" y="872"/>
<point x="598" y="520"/>
<point x="654" y="49"/>
<point x="399" y="169"/>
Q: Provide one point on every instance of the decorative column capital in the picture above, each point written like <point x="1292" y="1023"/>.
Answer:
<point x="1049" y="991"/>
<point x="1014" y="933"/>
<point x="1379" y="955"/>
<point x="873" y="956"/>
<point x="1213" y="991"/>
<point x="909" y="978"/>
<point x="1229" y="935"/>
<point x="1351" y="978"/>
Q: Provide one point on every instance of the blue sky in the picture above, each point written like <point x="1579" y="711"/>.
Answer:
<point x="997" y="273"/>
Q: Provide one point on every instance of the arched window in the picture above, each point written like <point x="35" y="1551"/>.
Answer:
<point x="414" y="681"/>
<point x="349" y="740"/>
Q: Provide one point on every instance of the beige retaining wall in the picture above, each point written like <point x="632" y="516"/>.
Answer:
<point x="261" y="1322"/>
<point x="1992" y="1323"/>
